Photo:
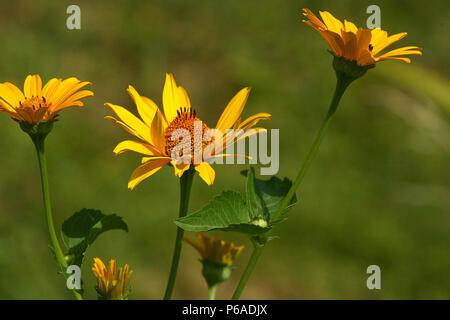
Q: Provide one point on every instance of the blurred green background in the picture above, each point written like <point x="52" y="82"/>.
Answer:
<point x="377" y="193"/>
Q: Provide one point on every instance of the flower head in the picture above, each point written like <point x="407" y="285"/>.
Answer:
<point x="215" y="250"/>
<point x="177" y="136"/>
<point x="358" y="44"/>
<point x="217" y="257"/>
<point x="110" y="286"/>
<point x="36" y="103"/>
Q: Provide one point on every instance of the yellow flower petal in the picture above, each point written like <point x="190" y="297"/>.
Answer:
<point x="146" y="109"/>
<point x="206" y="172"/>
<point x="233" y="110"/>
<point x="138" y="127"/>
<point x="174" y="98"/>
<point x="146" y="170"/>
<point x="331" y="22"/>
<point x="130" y="145"/>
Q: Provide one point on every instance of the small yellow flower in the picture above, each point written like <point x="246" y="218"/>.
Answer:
<point x="108" y="285"/>
<point x="156" y="129"/>
<point x="36" y="104"/>
<point x="216" y="250"/>
<point x="358" y="44"/>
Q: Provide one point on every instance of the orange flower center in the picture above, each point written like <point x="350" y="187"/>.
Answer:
<point x="34" y="103"/>
<point x="176" y="134"/>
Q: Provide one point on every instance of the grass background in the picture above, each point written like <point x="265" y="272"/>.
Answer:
<point x="377" y="193"/>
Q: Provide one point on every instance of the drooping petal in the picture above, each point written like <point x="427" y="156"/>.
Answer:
<point x="146" y="170"/>
<point x="206" y="172"/>
<point x="180" y="167"/>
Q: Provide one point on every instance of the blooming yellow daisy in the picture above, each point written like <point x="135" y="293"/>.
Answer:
<point x="213" y="249"/>
<point x="156" y="131"/>
<point x="358" y="44"/>
<point x="108" y="285"/>
<point x="36" y="104"/>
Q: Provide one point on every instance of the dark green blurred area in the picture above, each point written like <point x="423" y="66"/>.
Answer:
<point x="377" y="193"/>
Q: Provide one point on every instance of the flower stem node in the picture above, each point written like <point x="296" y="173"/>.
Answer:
<point x="215" y="273"/>
<point x="349" y="70"/>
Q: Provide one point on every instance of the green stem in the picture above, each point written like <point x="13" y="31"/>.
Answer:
<point x="185" y="191"/>
<point x="39" y="144"/>
<point x="212" y="292"/>
<point x="341" y="85"/>
<point x="257" y="250"/>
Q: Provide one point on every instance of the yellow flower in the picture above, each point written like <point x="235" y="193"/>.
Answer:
<point x="108" y="285"/>
<point x="358" y="44"/>
<point x="213" y="249"/>
<point x="156" y="131"/>
<point x="36" y="104"/>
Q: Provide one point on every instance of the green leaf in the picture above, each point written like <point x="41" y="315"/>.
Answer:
<point x="270" y="193"/>
<point x="83" y="227"/>
<point x="253" y="199"/>
<point x="229" y="211"/>
<point x="227" y="208"/>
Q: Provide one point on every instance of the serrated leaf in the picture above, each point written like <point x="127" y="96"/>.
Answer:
<point x="83" y="227"/>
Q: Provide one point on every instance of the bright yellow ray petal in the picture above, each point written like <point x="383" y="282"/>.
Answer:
<point x="350" y="26"/>
<point x="233" y="110"/>
<point x="73" y="101"/>
<point x="157" y="131"/>
<point x="174" y="98"/>
<point x="180" y="167"/>
<point x="331" y="22"/>
<point x="387" y="42"/>
<point x="314" y="21"/>
<point x="206" y="172"/>
<point x="146" y="109"/>
<point x="139" y="127"/>
<point x="146" y="170"/>
<point x="65" y="92"/>
<point x="253" y="120"/>
<point x="130" y="145"/>
<point x="10" y="95"/>
<point x="6" y="108"/>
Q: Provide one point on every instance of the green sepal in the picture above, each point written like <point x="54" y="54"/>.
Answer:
<point x="37" y="131"/>
<point x="214" y="272"/>
<point x="348" y="70"/>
